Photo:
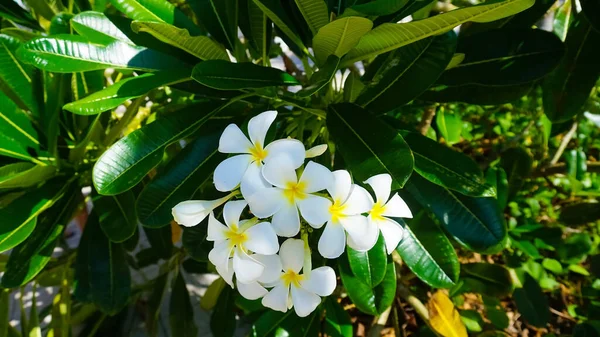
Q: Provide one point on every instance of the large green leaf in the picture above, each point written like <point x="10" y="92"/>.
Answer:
<point x="15" y="77"/>
<point x="98" y="28"/>
<point x="195" y="243"/>
<point x="379" y="7"/>
<point x="257" y="28"/>
<point x="181" y="313"/>
<point x="478" y="94"/>
<point x="157" y="11"/>
<point x="352" y="87"/>
<point x="449" y="125"/>
<point x="225" y="75"/>
<point x="24" y="174"/>
<point x="117" y="215"/>
<point x="372" y="301"/>
<point x="322" y="77"/>
<point x="125" y="163"/>
<point x="72" y="53"/>
<point x="428" y="253"/>
<point x="446" y="167"/>
<point x="414" y="68"/>
<point x="483" y="278"/>
<point x="275" y="12"/>
<point x="222" y="320"/>
<point x="477" y="223"/>
<point x="126" y="89"/>
<point x="18" y="137"/>
<point x="390" y="36"/>
<point x="339" y="36"/>
<point x="220" y="19"/>
<point x="567" y="89"/>
<point x="315" y="13"/>
<point x="10" y="10"/>
<point x="505" y="57"/>
<point x="532" y="303"/>
<point x="337" y="320"/>
<point x="518" y="165"/>
<point x="160" y="241"/>
<point x="368" y="145"/>
<point x="369" y="266"/>
<point x="188" y="171"/>
<point x="202" y="47"/>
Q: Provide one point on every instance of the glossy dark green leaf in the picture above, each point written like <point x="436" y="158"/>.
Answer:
<point x="269" y="322"/>
<point x="275" y="11"/>
<point x="477" y="223"/>
<point x="225" y="75"/>
<point x="24" y="174"/>
<point x="222" y="320"/>
<point x="157" y="11"/>
<point x="411" y="6"/>
<point x="339" y="37"/>
<point x="449" y="125"/>
<point x="368" y="145"/>
<point x="567" y="89"/>
<point x="220" y="19"/>
<point x="256" y="26"/>
<point x="18" y="137"/>
<point x="117" y="215"/>
<point x="189" y="170"/>
<point x="428" y="253"/>
<point x="195" y="243"/>
<point x="446" y="167"/>
<point x="315" y="13"/>
<point x="379" y="7"/>
<point x="10" y="10"/>
<point x="353" y="86"/>
<point x="372" y="301"/>
<point x="73" y="53"/>
<point x="580" y="213"/>
<point x="181" y="313"/>
<point x="590" y="9"/>
<point x="532" y="303"/>
<point x="160" y="241"/>
<point x="337" y="320"/>
<point x="496" y="177"/>
<point x="98" y="28"/>
<point x="322" y="77"/>
<point x="477" y="94"/>
<point x="16" y="77"/>
<point x="369" y="266"/>
<point x="484" y="278"/>
<point x="126" y="89"/>
<point x="517" y="163"/>
<point x="412" y="70"/>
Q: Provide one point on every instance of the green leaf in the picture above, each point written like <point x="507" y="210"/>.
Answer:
<point x="337" y="320"/>
<point x="4" y="312"/>
<point x="202" y="47"/>
<point x="477" y="223"/>
<point x="15" y="77"/>
<point x="268" y="322"/>
<point x="472" y="320"/>
<point x="195" y="243"/>
<point x="72" y="53"/>
<point x="477" y="93"/>
<point x="125" y="163"/>
<point x="129" y="88"/>
<point x="275" y="12"/>
<point x="98" y="28"/>
<point x="157" y="11"/>
<point x="23" y="174"/>
<point x="369" y="266"/>
<point x="225" y="75"/>
<point x="580" y="213"/>
<point x="33" y="325"/>
<point x="61" y="308"/>
<point x="532" y="303"/>
<point x="18" y="137"/>
<point x="339" y="36"/>
<point x="160" y="241"/>
<point x="222" y="320"/>
<point x="352" y="87"/>
<point x="181" y="313"/>
<point x="591" y="8"/>
<point x="517" y="164"/>
<point x="446" y="167"/>
<point x="380" y="7"/>
<point x="220" y="19"/>
<point x="257" y="27"/>
<point x="180" y="179"/>
<point x="155" y="304"/>
<point x="483" y="278"/>
<point x="390" y="36"/>
<point x="322" y="77"/>
<point x="428" y="253"/>
<point x="496" y="177"/>
<point x="415" y="68"/>
<point x="101" y="270"/>
<point x="117" y="215"/>
<point x="372" y="301"/>
<point x="315" y="13"/>
<point x="552" y="265"/>
<point x="567" y="89"/>
<point x="505" y="57"/>
<point x="449" y="126"/>
<point x="10" y="10"/>
<point x="368" y="145"/>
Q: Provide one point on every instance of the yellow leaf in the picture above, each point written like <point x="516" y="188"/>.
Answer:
<point x="443" y="317"/>
<point x="175" y="232"/>
<point x="209" y="300"/>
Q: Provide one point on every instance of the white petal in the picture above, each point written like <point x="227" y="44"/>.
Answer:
<point x="342" y="184"/>
<point x="359" y="201"/>
<point x="259" y="125"/>
<point x="219" y="255"/>
<point x="251" y="291"/>
<point x="232" y="211"/>
<point x="266" y="202"/>
<point x="382" y="186"/>
<point x="286" y="222"/>
<point x="246" y="268"/>
<point x="192" y="212"/>
<point x="272" y="270"/>
<point x="397" y="207"/>
<point x="277" y="298"/>
<point x="233" y="140"/>
<point x="321" y="281"/>
<point x="253" y="180"/>
<point x="316" y="177"/>
<point x="230" y="171"/>
<point x="216" y="230"/>
<point x="316" y="151"/>
<point x="362" y="234"/>
<point x="292" y="255"/>
<point x="332" y="241"/>
<point x="304" y="301"/>
<point x="292" y="148"/>
<point x="262" y="239"/>
<point x="392" y="233"/>
<point x="314" y="209"/>
<point x="280" y="172"/>
<point x="226" y="274"/>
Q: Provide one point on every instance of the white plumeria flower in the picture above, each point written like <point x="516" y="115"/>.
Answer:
<point x="191" y="212"/>
<point x="345" y="215"/>
<point x="289" y="194"/>
<point x="255" y="289"/>
<point x="304" y="289"/>
<point x="316" y="151"/>
<point x="245" y="169"/>
<point x="382" y="209"/>
<point x="238" y="239"/>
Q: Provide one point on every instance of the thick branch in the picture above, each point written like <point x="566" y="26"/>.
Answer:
<point x="425" y="123"/>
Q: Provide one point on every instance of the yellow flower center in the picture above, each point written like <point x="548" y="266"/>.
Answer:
<point x="295" y="191"/>
<point x="258" y="153"/>
<point x="290" y="277"/>
<point x="336" y="210"/>
<point x="236" y="238"/>
<point x="377" y="211"/>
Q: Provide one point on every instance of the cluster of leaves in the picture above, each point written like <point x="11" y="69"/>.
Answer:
<point x="503" y="184"/>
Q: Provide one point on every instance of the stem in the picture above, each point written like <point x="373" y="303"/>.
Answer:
<point x="419" y="307"/>
<point x="379" y="323"/>
<point x="563" y="144"/>
<point x="425" y="123"/>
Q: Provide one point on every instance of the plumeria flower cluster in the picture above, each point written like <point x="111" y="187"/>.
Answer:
<point x="285" y="198"/>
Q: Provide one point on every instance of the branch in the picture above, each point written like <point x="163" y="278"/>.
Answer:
<point x="425" y="123"/>
<point x="561" y="168"/>
<point x="563" y="144"/>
